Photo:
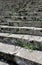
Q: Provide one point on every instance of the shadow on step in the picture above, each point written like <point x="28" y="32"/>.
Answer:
<point x="14" y="60"/>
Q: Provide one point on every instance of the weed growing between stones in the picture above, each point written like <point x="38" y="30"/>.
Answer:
<point x="30" y="46"/>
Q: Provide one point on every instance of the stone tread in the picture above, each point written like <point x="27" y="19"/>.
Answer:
<point x="20" y="36"/>
<point x="32" y="28"/>
<point x="35" y="56"/>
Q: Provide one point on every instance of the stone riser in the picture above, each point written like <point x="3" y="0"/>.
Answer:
<point x="29" y="23"/>
<point x="21" y="31"/>
<point x="22" y="36"/>
<point x="16" y="54"/>
<point x="18" y="42"/>
<point x="13" y="60"/>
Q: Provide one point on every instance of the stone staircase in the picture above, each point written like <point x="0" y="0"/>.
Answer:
<point x="10" y="35"/>
<point x="21" y="35"/>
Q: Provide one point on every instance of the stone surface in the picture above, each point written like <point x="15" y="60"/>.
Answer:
<point x="21" y="30"/>
<point x="35" y="56"/>
<point x="20" y="36"/>
<point x="21" y="13"/>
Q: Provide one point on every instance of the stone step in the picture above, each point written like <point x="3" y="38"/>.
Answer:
<point x="20" y="36"/>
<point x="21" y="30"/>
<point x="30" y="24"/>
<point x="31" y="55"/>
<point x="21" y="23"/>
<point x="28" y="44"/>
<point x="8" y="59"/>
<point x="33" y="28"/>
<point x="30" y="16"/>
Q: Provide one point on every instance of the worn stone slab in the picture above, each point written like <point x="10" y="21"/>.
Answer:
<point x="35" y="56"/>
<point x="7" y="48"/>
<point x="32" y="28"/>
<point x="22" y="23"/>
<point x="20" y="36"/>
<point x="21" y="30"/>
